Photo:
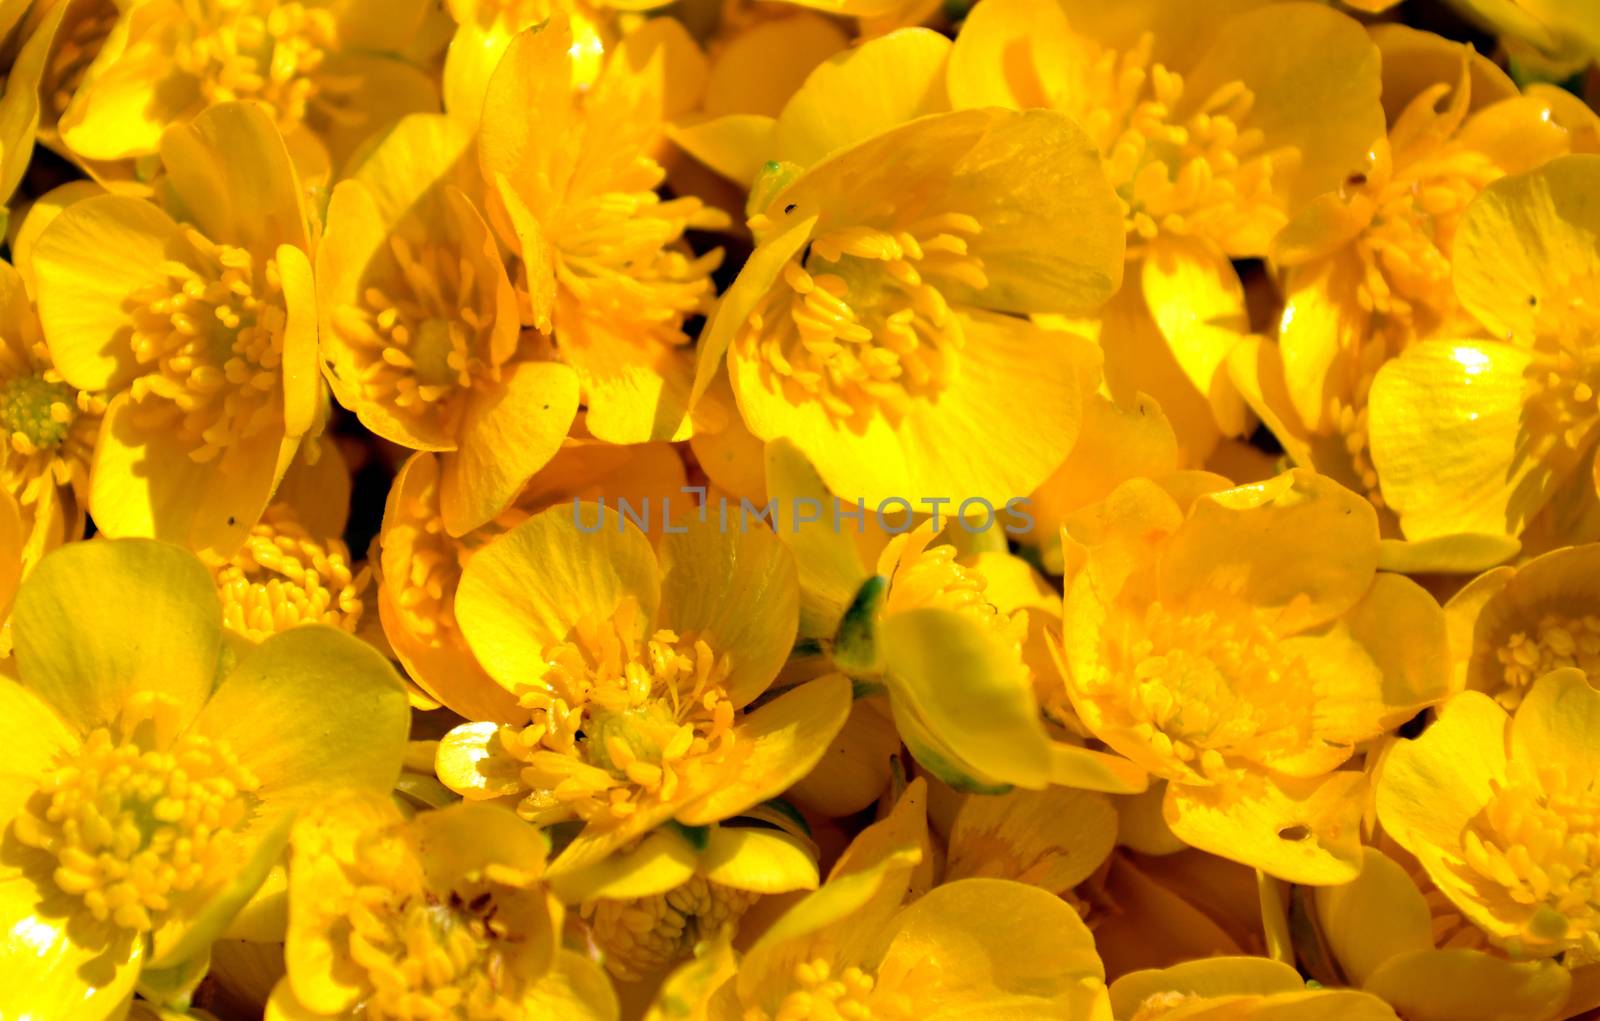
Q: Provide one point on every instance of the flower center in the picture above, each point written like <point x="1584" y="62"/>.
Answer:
<point x="1205" y="176"/>
<point x="620" y="254"/>
<point x="135" y="829"/>
<point x="859" y="321"/>
<point x="432" y="958"/>
<point x="255" y="49"/>
<point x="423" y="335"/>
<point x="1537" y="846"/>
<point x="616" y="720"/>
<point x="49" y="427"/>
<point x="282" y="578"/>
<point x="1558" y="641"/>
<point x="1562" y="384"/>
<point x="821" y="995"/>
<point x="37" y="410"/>
<point x="210" y="338"/>
<point x="646" y="936"/>
<point x="1203" y="686"/>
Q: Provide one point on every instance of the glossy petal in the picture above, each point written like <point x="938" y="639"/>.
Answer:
<point x="233" y="178"/>
<point x="1379" y="916"/>
<point x="1430" y="787"/>
<point x="759" y="860"/>
<point x="1465" y="985"/>
<point x="1053" y="839"/>
<point x="1305" y="831"/>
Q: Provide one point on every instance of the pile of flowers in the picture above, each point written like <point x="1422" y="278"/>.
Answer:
<point x="768" y="510"/>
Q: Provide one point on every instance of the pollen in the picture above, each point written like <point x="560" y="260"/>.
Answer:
<point x="269" y="52"/>
<point x="1206" y="176"/>
<point x="209" y="339"/>
<point x="859" y="322"/>
<point x="820" y="993"/>
<point x="421" y="334"/>
<point x="647" y="935"/>
<point x="618" y="721"/>
<point x="49" y="427"/>
<point x="1206" y="688"/>
<point x="1534" y="852"/>
<point x="137" y="829"/>
<point x="435" y="953"/>
<point x="1562" y="382"/>
<point x="283" y="577"/>
<point x="1556" y="641"/>
<point x="620" y="254"/>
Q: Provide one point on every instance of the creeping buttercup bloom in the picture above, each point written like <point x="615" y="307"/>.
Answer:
<point x="153" y="768"/>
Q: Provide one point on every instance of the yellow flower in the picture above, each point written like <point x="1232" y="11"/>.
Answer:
<point x="603" y="261"/>
<point x="635" y="677"/>
<point x="20" y="99"/>
<point x="328" y="74"/>
<point x="485" y="29"/>
<point x="1239" y="644"/>
<point x="151" y="769"/>
<point x="648" y="908"/>
<point x="420" y="331"/>
<point x="1216" y="123"/>
<point x="855" y="948"/>
<point x="1369" y="267"/>
<point x="202" y="329"/>
<point x="877" y="324"/>
<point x="441" y="915"/>
<point x="1498" y="809"/>
<point x="957" y="641"/>
<point x="1383" y="934"/>
<point x="419" y="563"/>
<point x="1549" y="36"/>
<point x="294" y="568"/>
<point x="1494" y="436"/>
<point x="49" y="426"/>
<point x="1512" y="625"/>
<point x="1239" y="989"/>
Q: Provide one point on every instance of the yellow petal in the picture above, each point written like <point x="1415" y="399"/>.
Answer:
<point x="1446" y="426"/>
<point x="933" y="450"/>
<point x="302" y="379"/>
<point x="775" y="745"/>
<point x="862" y="92"/>
<point x="1558" y="722"/>
<point x="735" y="145"/>
<point x="1414" y="60"/>
<point x="1053" y="839"/>
<point x="1463" y="553"/>
<point x="1305" y="831"/>
<point x="1467" y="985"/>
<point x="1218" y="976"/>
<point x="1379" y="916"/>
<point x="973" y="692"/>
<point x="759" y="860"/>
<point x="471" y="761"/>
<point x="663" y="861"/>
<point x="525" y="591"/>
<point x="1012" y="53"/>
<point x="1522" y="239"/>
<point x="38" y="741"/>
<point x="736" y="587"/>
<point x="760" y="68"/>
<point x="534" y="74"/>
<point x="99" y="623"/>
<point x="1251" y="542"/>
<point x="830" y="571"/>
<point x="311" y="711"/>
<point x="508" y="433"/>
<point x="636" y="388"/>
<point x="574" y="988"/>
<point x="1432" y="786"/>
<point x="233" y="180"/>
<point x="1198" y="304"/>
<point x="133" y="89"/>
<point x="46" y="973"/>
<point x="89" y="262"/>
<point x="688" y="991"/>
<point x="996" y="950"/>
<point x="457" y="843"/>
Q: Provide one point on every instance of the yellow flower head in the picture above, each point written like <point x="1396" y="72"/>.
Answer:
<point x="202" y="329"/>
<point x="1512" y="625"/>
<point x="420" y="327"/>
<point x="1238" y="643"/>
<point x="1485" y="436"/>
<point x="603" y="261"/>
<point x="1500" y="811"/>
<point x="1411" y="949"/>
<point x="635" y="677"/>
<point x="875" y="323"/>
<point x="856" y="948"/>
<point x="151" y="774"/>
<point x="485" y="29"/>
<point x="327" y="73"/>
<point x="442" y="915"/>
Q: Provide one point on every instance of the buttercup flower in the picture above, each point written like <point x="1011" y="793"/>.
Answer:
<point x="1238" y="644"/>
<point x="201" y="330"/>
<point x="441" y="915"/>
<point x="636" y="677"/>
<point x="152" y="769"/>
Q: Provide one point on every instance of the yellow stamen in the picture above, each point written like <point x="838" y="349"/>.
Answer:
<point x="269" y="52"/>
<point x="1557" y="641"/>
<point x="647" y="935"/>
<point x="282" y="578"/>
